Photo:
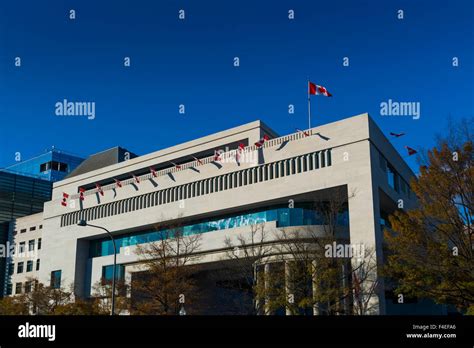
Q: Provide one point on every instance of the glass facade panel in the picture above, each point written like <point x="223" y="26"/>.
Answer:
<point x="301" y="214"/>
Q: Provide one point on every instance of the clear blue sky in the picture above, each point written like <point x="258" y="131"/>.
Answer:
<point x="190" y="62"/>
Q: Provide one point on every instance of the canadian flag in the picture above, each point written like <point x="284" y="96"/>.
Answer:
<point x="315" y="89"/>
<point x="217" y="155"/>
<point x="197" y="160"/>
<point x="262" y="141"/>
<point x="241" y="147"/>
<point x="136" y="178"/>
<point x="177" y="166"/>
<point x="118" y="183"/>
<point x="99" y="189"/>
<point x="64" y="200"/>
<point x="410" y="150"/>
<point x="153" y="172"/>
<point x="81" y="193"/>
<point x="306" y="134"/>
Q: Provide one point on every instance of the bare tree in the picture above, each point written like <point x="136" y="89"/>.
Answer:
<point x="165" y="282"/>
<point x="247" y="253"/>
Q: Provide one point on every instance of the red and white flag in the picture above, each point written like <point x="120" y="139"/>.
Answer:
<point x="306" y="134"/>
<point x="177" y="166"/>
<point x="197" y="160"/>
<point x="99" y="189"/>
<point x="81" y="193"/>
<point x="241" y="147"/>
<point x="262" y="141"/>
<point x="137" y="180"/>
<point x="118" y="183"/>
<point x="315" y="89"/>
<point x="217" y="155"/>
<point x="64" y="200"/>
<point x="410" y="150"/>
<point x="153" y="172"/>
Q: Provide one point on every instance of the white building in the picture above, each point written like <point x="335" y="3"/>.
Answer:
<point x="24" y="254"/>
<point x="220" y="197"/>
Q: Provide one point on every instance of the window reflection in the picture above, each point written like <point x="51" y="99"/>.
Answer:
<point x="283" y="216"/>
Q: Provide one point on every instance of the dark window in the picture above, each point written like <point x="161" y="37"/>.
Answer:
<point x="39" y="243"/>
<point x="28" y="286"/>
<point x="23" y="230"/>
<point x="108" y="271"/>
<point x="56" y="279"/>
<point x="29" y="266"/>
<point x="9" y="288"/>
<point x="33" y="228"/>
<point x="31" y="245"/>
<point x="45" y="166"/>
<point x="18" y="287"/>
<point x="21" y="249"/>
<point x="392" y="178"/>
<point x="19" y="267"/>
<point x="53" y="165"/>
<point x="38" y="264"/>
<point x="40" y="227"/>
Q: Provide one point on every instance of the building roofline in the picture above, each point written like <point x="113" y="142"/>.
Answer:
<point x="173" y="149"/>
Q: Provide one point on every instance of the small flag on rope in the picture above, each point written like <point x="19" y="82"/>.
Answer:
<point x="64" y="200"/>
<point x="136" y="178"/>
<point x="396" y="135"/>
<point x="315" y="89"/>
<point x="306" y="134"/>
<point x="118" y="183"/>
<point x="99" y="189"/>
<point x="241" y="147"/>
<point x="217" y="155"/>
<point x="153" y="172"/>
<point x="197" y="160"/>
<point x="410" y="150"/>
<point x="177" y="166"/>
<point x="262" y="141"/>
<point x="81" y="193"/>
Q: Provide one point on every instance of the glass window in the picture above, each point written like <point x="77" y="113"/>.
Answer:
<point x="31" y="245"/>
<point x="39" y="243"/>
<point x="38" y="264"/>
<point x="56" y="279"/>
<point x="18" y="288"/>
<point x="29" y="266"/>
<point x="21" y="248"/>
<point x="28" y="286"/>
<point x="19" y="267"/>
<point x="108" y="271"/>
<point x="392" y="178"/>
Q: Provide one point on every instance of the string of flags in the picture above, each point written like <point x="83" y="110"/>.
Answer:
<point x="218" y="156"/>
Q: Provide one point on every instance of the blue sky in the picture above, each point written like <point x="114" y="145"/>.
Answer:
<point x="190" y="62"/>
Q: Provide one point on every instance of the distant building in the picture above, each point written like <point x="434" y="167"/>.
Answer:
<point x="24" y="187"/>
<point x="20" y="196"/>
<point x="53" y="165"/>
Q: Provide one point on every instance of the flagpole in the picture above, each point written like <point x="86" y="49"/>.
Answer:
<point x="309" y="107"/>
